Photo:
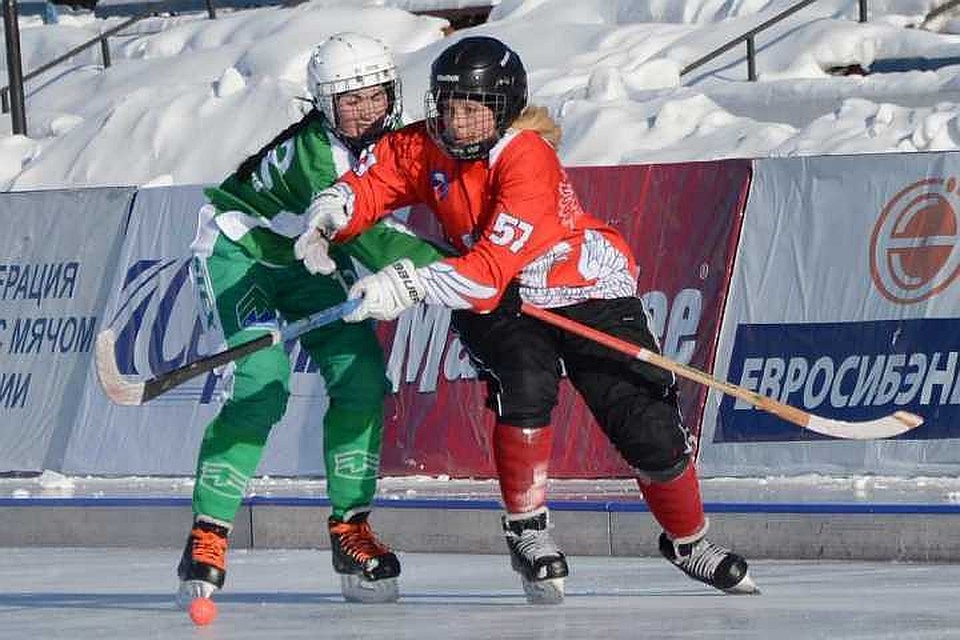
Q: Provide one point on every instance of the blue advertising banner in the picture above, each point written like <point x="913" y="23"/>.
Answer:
<point x="844" y="303"/>
<point x="850" y="371"/>
<point x="154" y="310"/>
<point x="56" y="251"/>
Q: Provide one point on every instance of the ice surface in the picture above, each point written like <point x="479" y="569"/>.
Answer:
<point x="81" y="594"/>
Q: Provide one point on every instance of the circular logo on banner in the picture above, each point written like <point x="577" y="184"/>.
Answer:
<point x="915" y="248"/>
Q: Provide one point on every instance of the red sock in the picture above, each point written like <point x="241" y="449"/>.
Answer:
<point x="676" y="504"/>
<point x="523" y="460"/>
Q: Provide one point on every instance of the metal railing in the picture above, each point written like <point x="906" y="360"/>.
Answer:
<point x="465" y="17"/>
<point x="18" y="79"/>
<point x="749" y="39"/>
<point x="104" y="53"/>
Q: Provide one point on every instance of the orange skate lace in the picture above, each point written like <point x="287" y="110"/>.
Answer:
<point x="358" y="540"/>
<point x="209" y="548"/>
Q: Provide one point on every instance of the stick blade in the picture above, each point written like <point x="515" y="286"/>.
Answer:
<point x="119" y="391"/>
<point x="885" y="427"/>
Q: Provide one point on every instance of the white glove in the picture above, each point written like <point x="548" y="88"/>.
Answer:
<point x="314" y="250"/>
<point x="327" y="214"/>
<point x="330" y="210"/>
<point x="387" y="293"/>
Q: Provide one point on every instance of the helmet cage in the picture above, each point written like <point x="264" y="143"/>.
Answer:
<point x="325" y="99"/>
<point x="481" y="69"/>
<point x="433" y="107"/>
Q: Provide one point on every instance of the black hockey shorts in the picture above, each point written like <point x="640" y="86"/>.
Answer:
<point x="635" y="403"/>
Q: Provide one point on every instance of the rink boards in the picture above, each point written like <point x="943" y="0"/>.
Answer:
<point x="900" y="532"/>
<point x="829" y="283"/>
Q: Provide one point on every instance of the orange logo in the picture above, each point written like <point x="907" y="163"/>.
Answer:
<point x="915" y="248"/>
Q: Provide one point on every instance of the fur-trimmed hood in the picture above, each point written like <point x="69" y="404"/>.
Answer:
<point x="538" y="119"/>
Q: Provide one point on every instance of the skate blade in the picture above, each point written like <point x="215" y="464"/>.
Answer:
<point x="357" y="589"/>
<point x="548" y="591"/>
<point x="190" y="589"/>
<point x="745" y="587"/>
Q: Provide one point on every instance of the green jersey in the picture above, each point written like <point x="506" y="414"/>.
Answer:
<point x="261" y="205"/>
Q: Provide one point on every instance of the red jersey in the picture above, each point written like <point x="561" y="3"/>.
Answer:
<point x="512" y="216"/>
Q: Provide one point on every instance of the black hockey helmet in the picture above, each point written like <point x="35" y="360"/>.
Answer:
<point x="477" y="68"/>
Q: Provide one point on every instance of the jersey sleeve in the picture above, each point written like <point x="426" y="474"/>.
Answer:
<point x="524" y="224"/>
<point x="388" y="241"/>
<point x="384" y="179"/>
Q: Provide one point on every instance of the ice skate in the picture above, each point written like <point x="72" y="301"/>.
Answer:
<point x="534" y="555"/>
<point x="368" y="569"/>
<point x="709" y="563"/>
<point x="203" y="566"/>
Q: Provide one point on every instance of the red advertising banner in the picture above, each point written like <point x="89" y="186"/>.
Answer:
<point x="682" y="222"/>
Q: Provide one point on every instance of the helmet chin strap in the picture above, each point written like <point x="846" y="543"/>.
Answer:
<point x="472" y="151"/>
<point x="357" y="144"/>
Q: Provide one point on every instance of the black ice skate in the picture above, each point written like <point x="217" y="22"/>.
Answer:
<point x="368" y="569"/>
<point x="709" y="563"/>
<point x="203" y="566"/>
<point x="534" y="555"/>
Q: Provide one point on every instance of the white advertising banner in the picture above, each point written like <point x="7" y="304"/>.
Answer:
<point x="55" y="254"/>
<point x="153" y="309"/>
<point x="845" y="302"/>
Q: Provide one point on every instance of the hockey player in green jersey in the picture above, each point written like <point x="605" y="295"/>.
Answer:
<point x="248" y="271"/>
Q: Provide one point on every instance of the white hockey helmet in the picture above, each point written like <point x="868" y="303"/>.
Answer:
<point x="350" y="61"/>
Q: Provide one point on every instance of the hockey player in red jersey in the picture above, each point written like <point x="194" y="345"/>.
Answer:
<point x="485" y="163"/>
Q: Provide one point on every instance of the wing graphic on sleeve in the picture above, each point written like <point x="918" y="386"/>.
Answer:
<point x="445" y="285"/>
<point x="599" y="258"/>
<point x="534" y="275"/>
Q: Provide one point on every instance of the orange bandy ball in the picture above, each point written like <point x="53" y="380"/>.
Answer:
<point x="202" y="611"/>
